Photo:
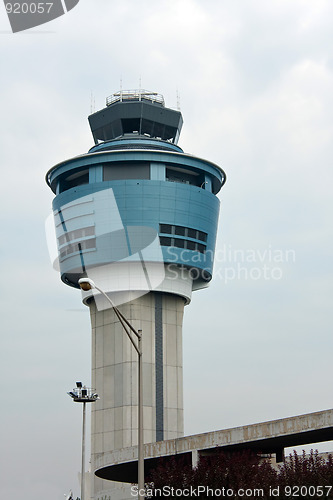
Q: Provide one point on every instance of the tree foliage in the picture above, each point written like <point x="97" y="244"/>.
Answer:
<point x="245" y="474"/>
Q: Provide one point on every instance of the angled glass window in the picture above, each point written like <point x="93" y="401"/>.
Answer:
<point x="74" y="180"/>
<point x="77" y="247"/>
<point x="202" y="236"/>
<point x="187" y="232"/>
<point x="166" y="228"/>
<point x="190" y="245"/>
<point x="179" y="243"/>
<point x="201" y="248"/>
<point x="192" y="233"/>
<point x="115" y="171"/>
<point x="180" y="230"/>
<point x="165" y="242"/>
<point x="76" y="234"/>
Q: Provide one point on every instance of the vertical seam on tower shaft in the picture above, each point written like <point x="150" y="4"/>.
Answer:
<point x="159" y="367"/>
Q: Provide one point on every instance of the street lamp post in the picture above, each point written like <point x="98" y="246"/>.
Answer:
<point x="83" y="395"/>
<point x="87" y="284"/>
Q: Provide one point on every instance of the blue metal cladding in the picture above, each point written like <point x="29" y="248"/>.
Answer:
<point x="84" y="221"/>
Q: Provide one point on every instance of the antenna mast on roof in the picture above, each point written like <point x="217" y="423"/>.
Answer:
<point x="92" y="103"/>
<point x="140" y="87"/>
<point x="178" y="100"/>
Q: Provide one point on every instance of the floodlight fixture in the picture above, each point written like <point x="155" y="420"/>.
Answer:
<point x="86" y="284"/>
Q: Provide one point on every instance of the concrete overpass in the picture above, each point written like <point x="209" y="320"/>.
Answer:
<point x="267" y="437"/>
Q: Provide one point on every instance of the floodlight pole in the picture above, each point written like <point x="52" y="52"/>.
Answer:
<point x="87" y="284"/>
<point x="83" y="450"/>
<point x="83" y="395"/>
<point x="141" y="475"/>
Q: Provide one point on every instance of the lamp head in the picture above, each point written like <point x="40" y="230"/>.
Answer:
<point x="86" y="284"/>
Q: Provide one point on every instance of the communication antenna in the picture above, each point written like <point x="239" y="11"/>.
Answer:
<point x="92" y="103"/>
<point x="178" y="99"/>
<point x="121" y="88"/>
<point x="140" y="87"/>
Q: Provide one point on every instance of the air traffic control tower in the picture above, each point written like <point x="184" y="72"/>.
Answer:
<point x="139" y="217"/>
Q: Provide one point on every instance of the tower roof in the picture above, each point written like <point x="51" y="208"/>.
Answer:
<point x="136" y="112"/>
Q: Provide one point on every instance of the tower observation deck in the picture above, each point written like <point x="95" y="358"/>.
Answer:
<point x="139" y="217"/>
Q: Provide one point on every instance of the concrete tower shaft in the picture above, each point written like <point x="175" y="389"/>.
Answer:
<point x="139" y="217"/>
<point x="115" y="373"/>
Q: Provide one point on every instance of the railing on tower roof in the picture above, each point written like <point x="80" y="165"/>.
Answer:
<point x="135" y="95"/>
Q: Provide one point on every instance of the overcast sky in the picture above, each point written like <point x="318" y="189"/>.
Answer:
<point x="255" y="80"/>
